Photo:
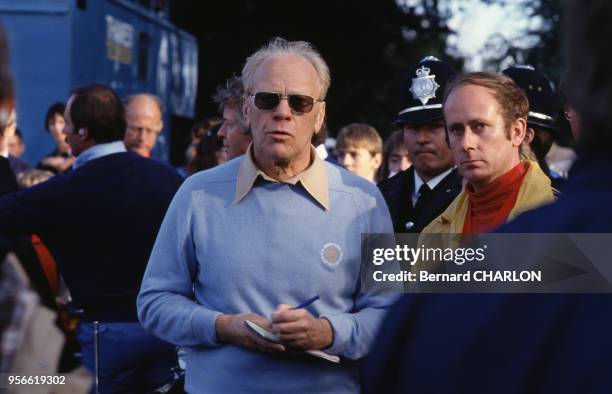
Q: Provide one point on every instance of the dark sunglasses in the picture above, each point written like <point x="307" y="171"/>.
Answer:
<point x="299" y="103"/>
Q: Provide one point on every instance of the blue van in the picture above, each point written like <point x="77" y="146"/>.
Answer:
<point x="129" y="45"/>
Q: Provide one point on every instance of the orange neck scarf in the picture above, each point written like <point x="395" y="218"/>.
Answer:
<point x="490" y="207"/>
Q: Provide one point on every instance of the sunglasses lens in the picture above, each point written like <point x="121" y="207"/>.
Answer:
<point x="266" y="101"/>
<point x="301" y="103"/>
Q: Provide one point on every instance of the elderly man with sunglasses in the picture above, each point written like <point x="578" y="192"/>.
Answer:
<point x="251" y="240"/>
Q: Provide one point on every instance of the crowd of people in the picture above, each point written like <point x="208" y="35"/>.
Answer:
<point x="239" y="271"/>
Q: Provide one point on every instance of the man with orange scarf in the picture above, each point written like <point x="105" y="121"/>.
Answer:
<point x="486" y="120"/>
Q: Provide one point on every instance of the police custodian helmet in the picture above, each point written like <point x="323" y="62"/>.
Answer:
<point x="543" y="105"/>
<point x="422" y="91"/>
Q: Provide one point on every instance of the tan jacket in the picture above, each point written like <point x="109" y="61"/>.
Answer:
<point x="534" y="191"/>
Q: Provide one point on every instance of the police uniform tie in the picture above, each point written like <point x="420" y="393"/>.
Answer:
<point x="423" y="197"/>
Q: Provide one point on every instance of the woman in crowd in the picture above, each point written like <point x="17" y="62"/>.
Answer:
<point x="395" y="156"/>
<point x="61" y="159"/>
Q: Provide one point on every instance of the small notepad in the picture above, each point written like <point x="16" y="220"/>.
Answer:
<point x="272" y="337"/>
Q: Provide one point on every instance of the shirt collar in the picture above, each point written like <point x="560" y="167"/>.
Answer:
<point x="98" y="151"/>
<point x="5" y="153"/>
<point x="313" y="179"/>
<point x="432" y="183"/>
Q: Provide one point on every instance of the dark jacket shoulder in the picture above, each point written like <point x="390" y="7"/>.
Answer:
<point x="397" y="192"/>
<point x="583" y="206"/>
<point x="397" y="182"/>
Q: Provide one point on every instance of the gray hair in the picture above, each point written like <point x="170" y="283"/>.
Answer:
<point x="278" y="45"/>
<point x="231" y="96"/>
<point x="152" y="97"/>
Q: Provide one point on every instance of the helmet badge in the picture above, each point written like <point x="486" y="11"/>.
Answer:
<point x="424" y="86"/>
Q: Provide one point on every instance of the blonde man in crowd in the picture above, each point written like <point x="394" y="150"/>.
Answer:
<point x="359" y="149"/>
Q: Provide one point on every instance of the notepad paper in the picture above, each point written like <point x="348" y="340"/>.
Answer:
<point x="272" y="337"/>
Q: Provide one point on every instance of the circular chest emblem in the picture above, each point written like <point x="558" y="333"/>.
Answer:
<point x="331" y="254"/>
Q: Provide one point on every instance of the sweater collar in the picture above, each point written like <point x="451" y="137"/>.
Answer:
<point x="313" y="179"/>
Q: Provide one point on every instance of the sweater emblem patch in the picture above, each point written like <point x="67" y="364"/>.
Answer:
<point x="331" y="254"/>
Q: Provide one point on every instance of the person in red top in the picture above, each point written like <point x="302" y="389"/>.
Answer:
<point x="486" y="121"/>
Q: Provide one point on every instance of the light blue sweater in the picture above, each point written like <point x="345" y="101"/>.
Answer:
<point x="251" y="256"/>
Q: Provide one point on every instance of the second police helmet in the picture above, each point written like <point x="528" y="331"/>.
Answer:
<point x="422" y="91"/>
<point x="543" y="105"/>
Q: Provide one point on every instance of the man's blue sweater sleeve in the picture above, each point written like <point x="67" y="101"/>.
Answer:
<point x="166" y="303"/>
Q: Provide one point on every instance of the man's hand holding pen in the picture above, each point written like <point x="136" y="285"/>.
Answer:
<point x="299" y="329"/>
<point x="293" y="325"/>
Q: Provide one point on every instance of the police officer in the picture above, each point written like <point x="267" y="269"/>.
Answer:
<point x="541" y="123"/>
<point x="418" y="195"/>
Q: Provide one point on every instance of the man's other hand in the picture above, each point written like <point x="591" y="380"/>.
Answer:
<point x="232" y="329"/>
<point x="299" y="329"/>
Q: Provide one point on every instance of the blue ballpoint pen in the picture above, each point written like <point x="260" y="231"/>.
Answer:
<point x="309" y="301"/>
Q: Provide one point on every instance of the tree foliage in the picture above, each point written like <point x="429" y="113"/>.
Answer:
<point x="367" y="44"/>
<point x="544" y="53"/>
<point x="544" y="37"/>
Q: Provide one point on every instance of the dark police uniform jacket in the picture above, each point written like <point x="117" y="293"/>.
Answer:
<point x="397" y="192"/>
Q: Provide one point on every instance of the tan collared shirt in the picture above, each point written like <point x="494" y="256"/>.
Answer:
<point x="313" y="179"/>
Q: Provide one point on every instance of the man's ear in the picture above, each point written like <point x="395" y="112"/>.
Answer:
<point x="518" y="131"/>
<point x="320" y="117"/>
<point x="246" y="110"/>
<point x="245" y="124"/>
